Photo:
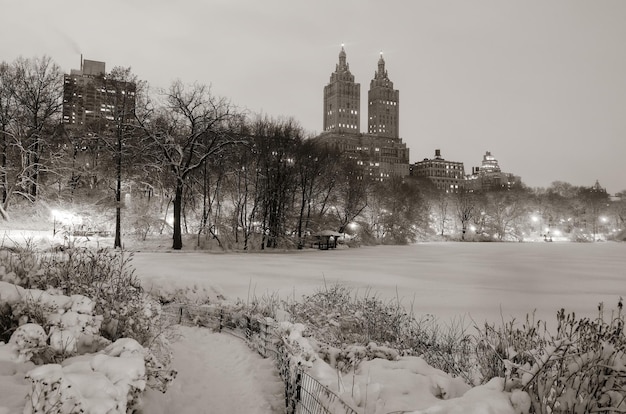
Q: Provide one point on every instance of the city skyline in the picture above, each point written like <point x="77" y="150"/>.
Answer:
<point x="541" y="85"/>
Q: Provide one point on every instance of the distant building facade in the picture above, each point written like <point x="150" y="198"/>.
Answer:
<point x="380" y="152"/>
<point x="93" y="106"/>
<point x="90" y="100"/>
<point x="490" y="177"/>
<point x="446" y="176"/>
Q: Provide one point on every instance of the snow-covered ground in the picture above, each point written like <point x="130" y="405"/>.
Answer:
<point x="449" y="280"/>
<point x="475" y="281"/>
<point x="218" y="373"/>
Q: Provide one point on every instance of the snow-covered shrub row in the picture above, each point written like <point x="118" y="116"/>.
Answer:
<point x="581" y="369"/>
<point x="382" y="381"/>
<point x="337" y="316"/>
<point x="371" y="378"/>
<point x="56" y="324"/>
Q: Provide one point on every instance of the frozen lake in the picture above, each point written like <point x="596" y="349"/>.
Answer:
<point x="448" y="280"/>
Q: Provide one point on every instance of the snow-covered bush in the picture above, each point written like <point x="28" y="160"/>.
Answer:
<point x="103" y="275"/>
<point x="348" y="357"/>
<point x="195" y="295"/>
<point x="110" y="381"/>
<point x="84" y="378"/>
<point x="339" y="316"/>
<point x="73" y="304"/>
<point x="49" y="327"/>
<point x="296" y="343"/>
<point x="581" y="369"/>
<point x="27" y="340"/>
<point x="15" y="267"/>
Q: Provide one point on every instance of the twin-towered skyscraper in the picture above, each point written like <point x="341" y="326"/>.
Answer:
<point x="380" y="150"/>
<point x="342" y="102"/>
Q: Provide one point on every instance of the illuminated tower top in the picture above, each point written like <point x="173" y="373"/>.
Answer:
<point x="490" y="163"/>
<point x="342" y="98"/>
<point x="383" y="104"/>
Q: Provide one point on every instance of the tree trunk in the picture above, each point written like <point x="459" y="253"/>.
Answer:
<point x="3" y="173"/>
<point x="301" y="218"/>
<point x="118" y="194"/>
<point x="203" y="224"/>
<point x="178" y="202"/>
<point x="35" y="175"/>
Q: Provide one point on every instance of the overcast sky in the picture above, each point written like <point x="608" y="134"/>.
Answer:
<point x="541" y="84"/>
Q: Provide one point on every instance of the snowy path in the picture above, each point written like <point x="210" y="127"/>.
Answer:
<point x="219" y="373"/>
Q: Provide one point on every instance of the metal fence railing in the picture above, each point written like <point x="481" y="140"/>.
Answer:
<point x="303" y="393"/>
<point x="315" y="398"/>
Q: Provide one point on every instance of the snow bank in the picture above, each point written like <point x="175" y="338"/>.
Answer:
<point x="98" y="377"/>
<point x="94" y="384"/>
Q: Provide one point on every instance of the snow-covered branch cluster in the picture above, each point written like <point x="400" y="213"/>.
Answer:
<point x="580" y="370"/>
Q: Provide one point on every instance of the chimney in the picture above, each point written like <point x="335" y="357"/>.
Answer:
<point x="437" y="153"/>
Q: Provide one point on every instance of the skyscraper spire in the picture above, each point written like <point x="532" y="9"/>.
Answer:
<point x="342" y="59"/>
<point x="381" y="73"/>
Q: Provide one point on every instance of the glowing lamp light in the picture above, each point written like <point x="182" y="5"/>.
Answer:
<point x="534" y="219"/>
<point x="64" y="217"/>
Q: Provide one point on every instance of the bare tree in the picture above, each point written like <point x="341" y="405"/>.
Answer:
<point x="441" y="211"/>
<point x="119" y="135"/>
<point x="188" y="127"/>
<point x="465" y="210"/>
<point x="38" y="91"/>
<point x="403" y="211"/>
<point x="505" y="211"/>
<point x="351" y="193"/>
<point x="619" y="208"/>
<point x="240" y="184"/>
<point x="30" y="103"/>
<point x="275" y="143"/>
<point x="593" y="202"/>
<point x="314" y="163"/>
<point x="8" y="110"/>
